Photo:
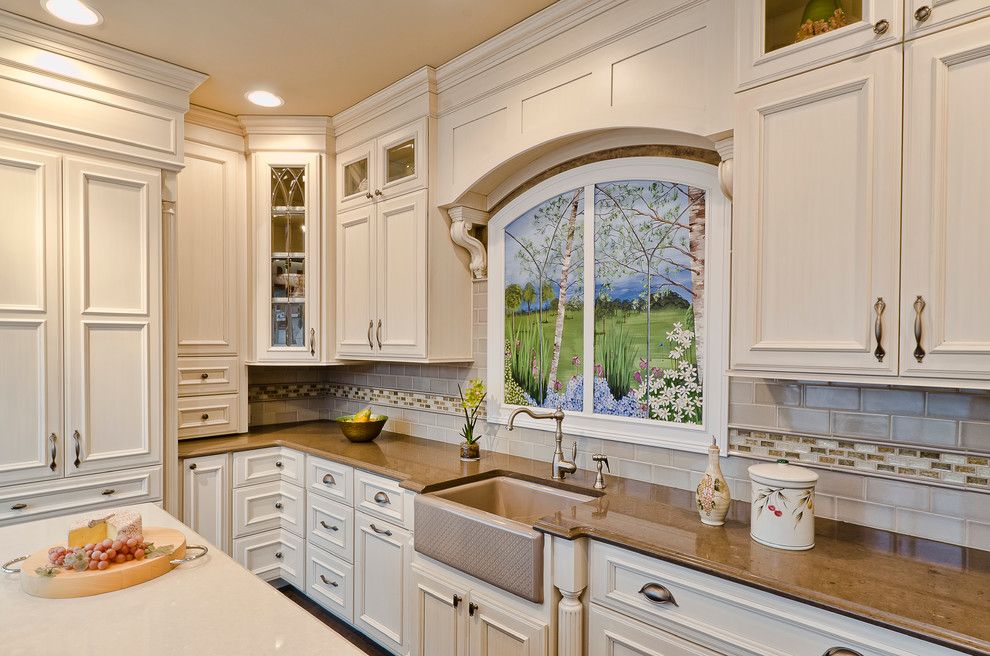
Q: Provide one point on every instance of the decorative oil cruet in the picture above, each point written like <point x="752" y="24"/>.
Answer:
<point x="713" y="491"/>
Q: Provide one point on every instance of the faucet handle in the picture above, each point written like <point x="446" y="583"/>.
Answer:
<point x="601" y="459"/>
<point x="574" y="452"/>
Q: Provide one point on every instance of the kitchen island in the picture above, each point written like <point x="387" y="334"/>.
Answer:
<point x="211" y="606"/>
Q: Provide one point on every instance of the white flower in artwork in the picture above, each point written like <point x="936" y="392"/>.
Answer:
<point x="674" y="394"/>
<point x="676" y="354"/>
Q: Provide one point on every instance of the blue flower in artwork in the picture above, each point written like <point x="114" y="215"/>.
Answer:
<point x="572" y="398"/>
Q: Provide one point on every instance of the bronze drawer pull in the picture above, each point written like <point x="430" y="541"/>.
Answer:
<point x="278" y="505"/>
<point x="328" y="479"/>
<point x="457" y="600"/>
<point x="204" y="375"/>
<point x="107" y="492"/>
<point x="879" y="307"/>
<point x="922" y="13"/>
<point x="919" y="307"/>
<point x="53" y="465"/>
<point x="278" y="554"/>
<point x="19" y="506"/>
<point x="472" y="608"/>
<point x="78" y="440"/>
<point x="204" y="416"/>
<point x="381" y="531"/>
<point x="328" y="527"/>
<point x="328" y="581"/>
<point x="881" y="26"/>
<point x="658" y="594"/>
<point x="382" y="498"/>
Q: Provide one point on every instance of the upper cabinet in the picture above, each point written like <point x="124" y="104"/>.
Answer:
<point x="945" y="324"/>
<point x="927" y="16"/>
<point x="778" y="38"/>
<point x="384" y="167"/>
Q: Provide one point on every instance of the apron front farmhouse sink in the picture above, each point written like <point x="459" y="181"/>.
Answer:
<point x="485" y="528"/>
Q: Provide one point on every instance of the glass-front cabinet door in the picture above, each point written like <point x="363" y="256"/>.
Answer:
<point x="288" y="265"/>
<point x="386" y="167"/>
<point x="778" y="38"/>
<point x="355" y="169"/>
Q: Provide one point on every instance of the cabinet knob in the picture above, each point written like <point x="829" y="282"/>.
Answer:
<point x="368" y="195"/>
<point x="19" y="506"/>
<point x="204" y="416"/>
<point x="278" y="463"/>
<point x="278" y="554"/>
<point x="378" y="192"/>
<point x="841" y="651"/>
<point x="328" y="479"/>
<point x="204" y="375"/>
<point x="108" y="492"/>
<point x="472" y="608"/>
<point x="881" y="27"/>
<point x="658" y="594"/>
<point x="457" y="600"/>
<point x="328" y="581"/>
<point x="192" y="465"/>
<point x="922" y="13"/>
<point x="278" y="505"/>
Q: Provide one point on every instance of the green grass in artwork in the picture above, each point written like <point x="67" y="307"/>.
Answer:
<point x="616" y="353"/>
<point x="631" y="325"/>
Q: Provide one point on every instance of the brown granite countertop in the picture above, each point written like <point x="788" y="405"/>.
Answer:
<point x="931" y="590"/>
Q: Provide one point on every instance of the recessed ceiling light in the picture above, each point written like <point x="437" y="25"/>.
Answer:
<point x="72" y="11"/>
<point x="264" y="98"/>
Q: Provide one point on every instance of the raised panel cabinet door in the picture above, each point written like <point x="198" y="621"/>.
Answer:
<point x="439" y="616"/>
<point x="381" y="567"/>
<point x="209" y="246"/>
<point x="288" y="233"/>
<point x="356" y="282"/>
<point x="206" y="498"/>
<point x="816" y="234"/>
<point x="30" y="316"/>
<point x="945" y="324"/>
<point x="400" y="326"/>
<point x="926" y="16"/>
<point x="112" y="227"/>
<point x="611" y="634"/>
<point x="768" y="48"/>
<point x="356" y="170"/>
<point x="497" y="631"/>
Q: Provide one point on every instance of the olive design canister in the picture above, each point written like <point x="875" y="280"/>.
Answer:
<point x="783" y="509"/>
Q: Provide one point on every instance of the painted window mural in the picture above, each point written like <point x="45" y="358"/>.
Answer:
<point x="641" y="297"/>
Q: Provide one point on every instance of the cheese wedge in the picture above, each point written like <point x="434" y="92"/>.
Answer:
<point x="123" y="525"/>
<point x="88" y="530"/>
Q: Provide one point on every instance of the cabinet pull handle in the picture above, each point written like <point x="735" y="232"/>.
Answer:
<point x="881" y="26"/>
<point x="457" y="600"/>
<point x="919" y="307"/>
<point x="371" y="325"/>
<point x="192" y="466"/>
<point x="278" y="505"/>
<point x="658" y="594"/>
<point x="378" y="192"/>
<point x="78" y="440"/>
<point x="381" y="531"/>
<point x="382" y="498"/>
<point x="841" y="651"/>
<point x="922" y="13"/>
<point x="368" y="195"/>
<point x="107" y="492"/>
<point x="328" y="479"/>
<point x="328" y="581"/>
<point x="378" y="334"/>
<point x="312" y="341"/>
<point x="19" y="506"/>
<point x="328" y="527"/>
<point x="472" y="608"/>
<point x="204" y="375"/>
<point x="204" y="416"/>
<point x="278" y="554"/>
<point x="879" y="307"/>
<point x="53" y="438"/>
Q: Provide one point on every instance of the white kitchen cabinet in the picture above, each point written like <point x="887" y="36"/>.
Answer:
<point x="271" y="464"/>
<point x="382" y="168"/>
<point x="206" y="498"/>
<point x="927" y="16"/>
<point x="330" y="526"/>
<point x="266" y="506"/>
<point x="439" y="616"/>
<point x="611" y="634"/>
<point x="33" y="435"/>
<point x="945" y="272"/>
<point x="357" y="283"/>
<point x="766" y="49"/>
<point x="816" y="236"/>
<point x="330" y="582"/>
<point x="113" y="342"/>
<point x="382" y="556"/>
<point x="287" y="241"/>
<point x="497" y="631"/>
<point x="274" y="554"/>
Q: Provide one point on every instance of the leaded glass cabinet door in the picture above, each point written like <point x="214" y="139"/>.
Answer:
<point x="287" y="222"/>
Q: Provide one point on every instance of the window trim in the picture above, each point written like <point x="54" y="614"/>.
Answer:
<point x="717" y="240"/>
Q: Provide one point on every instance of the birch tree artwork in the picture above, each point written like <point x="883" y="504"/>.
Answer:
<point x="544" y="270"/>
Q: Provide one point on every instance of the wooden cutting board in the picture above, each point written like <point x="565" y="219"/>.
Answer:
<point x="69" y="583"/>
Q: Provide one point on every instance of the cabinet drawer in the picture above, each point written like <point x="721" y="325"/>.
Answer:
<point x="611" y="634"/>
<point x="330" y="582"/>
<point x="207" y="376"/>
<point x="269" y="506"/>
<point x="264" y="465"/>
<point x="273" y="554"/>
<point x="330" y="479"/>
<point x="730" y="617"/>
<point x="331" y="527"/>
<point x="380" y="497"/>
<point x="200" y="416"/>
<point x="22" y="502"/>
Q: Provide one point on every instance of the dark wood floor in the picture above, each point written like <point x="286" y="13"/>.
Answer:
<point x="358" y="639"/>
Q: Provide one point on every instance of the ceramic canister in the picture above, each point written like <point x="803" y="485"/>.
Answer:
<point x="783" y="509"/>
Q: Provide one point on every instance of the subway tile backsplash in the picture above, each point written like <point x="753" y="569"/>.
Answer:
<point x="909" y="460"/>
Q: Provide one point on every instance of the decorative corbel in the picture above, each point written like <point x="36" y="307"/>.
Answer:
<point x="462" y="221"/>
<point x="724" y="148"/>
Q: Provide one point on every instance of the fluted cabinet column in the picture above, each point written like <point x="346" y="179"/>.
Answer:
<point x="570" y="577"/>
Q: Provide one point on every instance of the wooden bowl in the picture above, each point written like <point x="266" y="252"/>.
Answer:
<point x="361" y="431"/>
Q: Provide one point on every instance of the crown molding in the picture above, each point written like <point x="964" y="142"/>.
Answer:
<point x="541" y="26"/>
<point x="45" y="37"/>
<point x="211" y="118"/>
<point x="396" y="94"/>
<point x="285" y="125"/>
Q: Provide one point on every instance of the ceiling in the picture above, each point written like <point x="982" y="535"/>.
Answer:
<point x="321" y="56"/>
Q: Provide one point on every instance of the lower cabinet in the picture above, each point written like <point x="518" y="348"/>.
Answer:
<point x="382" y="556"/>
<point x="456" y="619"/>
<point x="330" y="582"/>
<point x="206" y="498"/>
<point x="611" y="634"/>
<point x="272" y="555"/>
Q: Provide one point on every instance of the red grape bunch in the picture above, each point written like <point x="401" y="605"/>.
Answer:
<point x="100" y="555"/>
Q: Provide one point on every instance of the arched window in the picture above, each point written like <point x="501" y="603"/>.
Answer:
<point x="608" y="297"/>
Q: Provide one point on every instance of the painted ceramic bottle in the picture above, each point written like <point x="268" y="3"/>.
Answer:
<point x="713" y="491"/>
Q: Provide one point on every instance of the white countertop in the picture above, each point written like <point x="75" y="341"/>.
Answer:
<point x="210" y="607"/>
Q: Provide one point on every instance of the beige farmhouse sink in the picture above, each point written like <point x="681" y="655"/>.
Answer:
<point x="485" y="528"/>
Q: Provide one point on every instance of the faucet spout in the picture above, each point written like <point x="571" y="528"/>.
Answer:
<point x="559" y="466"/>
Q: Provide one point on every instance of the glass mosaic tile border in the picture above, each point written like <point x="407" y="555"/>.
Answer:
<point x="428" y="401"/>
